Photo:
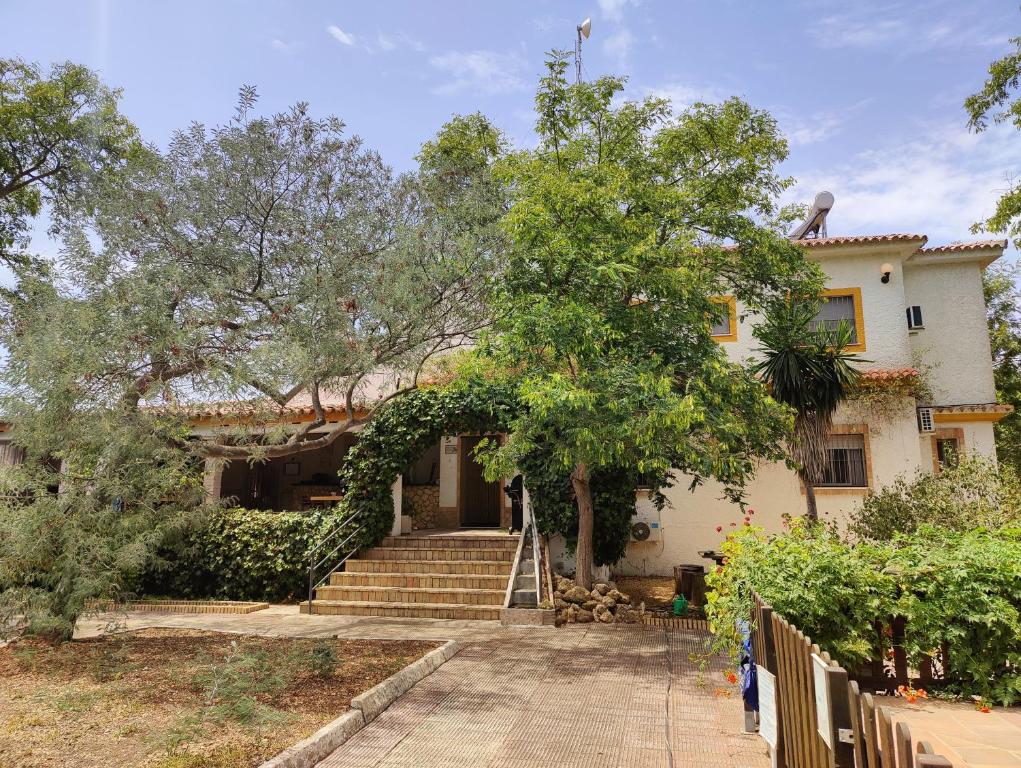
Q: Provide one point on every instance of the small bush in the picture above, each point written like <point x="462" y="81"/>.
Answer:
<point x="972" y="493"/>
<point x="958" y="590"/>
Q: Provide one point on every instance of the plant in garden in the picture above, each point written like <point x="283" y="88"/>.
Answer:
<point x="806" y="367"/>
<point x="268" y="259"/>
<point x="957" y="591"/>
<point x="1003" y="311"/>
<point x="627" y="223"/>
<point x="971" y="492"/>
<point x="62" y="131"/>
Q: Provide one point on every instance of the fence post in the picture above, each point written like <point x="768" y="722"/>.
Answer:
<point x="840" y="713"/>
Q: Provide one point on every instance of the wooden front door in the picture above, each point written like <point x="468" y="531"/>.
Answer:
<point x="480" y="499"/>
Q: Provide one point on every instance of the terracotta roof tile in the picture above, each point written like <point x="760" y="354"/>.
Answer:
<point x="818" y="242"/>
<point x="975" y="246"/>
<point x="888" y="374"/>
<point x="975" y="408"/>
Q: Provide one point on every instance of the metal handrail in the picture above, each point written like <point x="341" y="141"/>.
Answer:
<point x="314" y="565"/>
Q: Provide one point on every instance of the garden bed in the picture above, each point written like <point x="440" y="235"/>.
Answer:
<point x="167" y="605"/>
<point x="180" y="698"/>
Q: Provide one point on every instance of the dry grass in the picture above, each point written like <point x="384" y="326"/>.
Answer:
<point x="179" y="698"/>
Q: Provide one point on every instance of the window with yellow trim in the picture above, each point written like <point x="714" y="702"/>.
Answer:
<point x="723" y="326"/>
<point x="843" y="305"/>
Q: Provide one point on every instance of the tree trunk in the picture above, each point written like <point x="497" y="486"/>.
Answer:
<point x="586" y="524"/>
<point x="812" y="512"/>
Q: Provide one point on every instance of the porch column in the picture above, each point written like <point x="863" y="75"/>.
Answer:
<point x="397" y="489"/>
<point x="212" y="480"/>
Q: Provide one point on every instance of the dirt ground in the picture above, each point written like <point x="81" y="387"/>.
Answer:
<point x="656" y="591"/>
<point x="179" y="698"/>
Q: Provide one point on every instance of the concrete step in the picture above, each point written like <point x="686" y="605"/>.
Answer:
<point x="524" y="598"/>
<point x="444" y="553"/>
<point x="401" y="595"/>
<point x="479" y="567"/>
<point x="405" y="610"/>
<point x="418" y="580"/>
<point x="503" y="541"/>
<point x="525" y="581"/>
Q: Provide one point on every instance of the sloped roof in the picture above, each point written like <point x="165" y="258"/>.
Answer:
<point x="820" y="242"/>
<point x="977" y="245"/>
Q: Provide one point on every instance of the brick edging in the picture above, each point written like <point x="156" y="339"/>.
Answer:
<point x="365" y="708"/>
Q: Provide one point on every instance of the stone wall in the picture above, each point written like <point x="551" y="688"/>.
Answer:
<point x="425" y="499"/>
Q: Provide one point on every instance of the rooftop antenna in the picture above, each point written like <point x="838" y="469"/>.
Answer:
<point x="815" y="224"/>
<point x="584" y="30"/>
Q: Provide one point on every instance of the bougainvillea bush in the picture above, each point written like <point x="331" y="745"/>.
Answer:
<point x="957" y="590"/>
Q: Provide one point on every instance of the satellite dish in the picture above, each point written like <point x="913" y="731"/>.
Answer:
<point x="586" y="28"/>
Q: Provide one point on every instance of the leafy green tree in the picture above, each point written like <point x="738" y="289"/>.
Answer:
<point x="249" y="264"/>
<point x="807" y="368"/>
<point x="60" y="130"/>
<point x="1003" y="309"/>
<point x="619" y="224"/>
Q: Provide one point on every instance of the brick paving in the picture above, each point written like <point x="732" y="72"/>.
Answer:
<point x="588" y="697"/>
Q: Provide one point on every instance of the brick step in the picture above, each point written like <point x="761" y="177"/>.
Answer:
<point x="401" y="595"/>
<point x="478" y="567"/>
<point x="404" y="553"/>
<point x="406" y="610"/>
<point x="418" y="580"/>
<point x="504" y="541"/>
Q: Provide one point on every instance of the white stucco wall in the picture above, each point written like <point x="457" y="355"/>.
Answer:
<point x="955" y="340"/>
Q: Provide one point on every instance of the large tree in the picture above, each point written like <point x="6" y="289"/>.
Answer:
<point x="1003" y="309"/>
<point x="61" y="129"/>
<point x="268" y="259"/>
<point x="628" y="224"/>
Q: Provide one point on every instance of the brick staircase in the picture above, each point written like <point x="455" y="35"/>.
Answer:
<point x="433" y="576"/>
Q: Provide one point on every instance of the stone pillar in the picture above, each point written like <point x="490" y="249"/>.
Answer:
<point x="212" y="480"/>
<point x="397" y="489"/>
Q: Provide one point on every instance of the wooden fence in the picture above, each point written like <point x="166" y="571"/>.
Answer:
<point x="806" y="681"/>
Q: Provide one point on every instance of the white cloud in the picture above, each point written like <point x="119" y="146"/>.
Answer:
<point x="486" y="72"/>
<point x="683" y="95"/>
<point x="871" y="26"/>
<point x="387" y="43"/>
<point x="614" y="9"/>
<point x="801" y="128"/>
<point x="282" y="45"/>
<point x="340" y="35"/>
<point x="618" y="46"/>
<point x="938" y="184"/>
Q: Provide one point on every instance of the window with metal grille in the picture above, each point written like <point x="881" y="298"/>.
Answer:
<point x="845" y="462"/>
<point x="834" y="310"/>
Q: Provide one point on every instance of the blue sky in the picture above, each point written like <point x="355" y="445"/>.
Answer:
<point x="868" y="93"/>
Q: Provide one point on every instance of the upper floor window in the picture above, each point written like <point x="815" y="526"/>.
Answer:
<point x="843" y="305"/>
<point x="724" y="324"/>
<point x="845" y="462"/>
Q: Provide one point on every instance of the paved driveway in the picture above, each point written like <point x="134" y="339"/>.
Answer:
<point x="592" y="698"/>
<point x="582" y="695"/>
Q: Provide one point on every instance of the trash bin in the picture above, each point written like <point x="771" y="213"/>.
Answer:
<point x="689" y="580"/>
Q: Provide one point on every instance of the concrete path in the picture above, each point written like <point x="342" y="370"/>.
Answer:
<point x="583" y="695"/>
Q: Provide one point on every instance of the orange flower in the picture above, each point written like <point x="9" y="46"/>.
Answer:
<point x="985" y="708"/>
<point x="911" y="699"/>
<point x="731" y="678"/>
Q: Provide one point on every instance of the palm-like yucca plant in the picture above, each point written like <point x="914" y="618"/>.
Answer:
<point x="808" y="368"/>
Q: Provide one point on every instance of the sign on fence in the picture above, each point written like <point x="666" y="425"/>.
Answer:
<point x="823" y="715"/>
<point x="767" y="706"/>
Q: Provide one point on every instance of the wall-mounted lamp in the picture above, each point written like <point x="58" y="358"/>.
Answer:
<point x="886" y="270"/>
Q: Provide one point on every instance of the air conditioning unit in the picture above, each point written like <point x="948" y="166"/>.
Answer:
<point x="914" y="313"/>
<point x="645" y="524"/>
<point x="926" y="420"/>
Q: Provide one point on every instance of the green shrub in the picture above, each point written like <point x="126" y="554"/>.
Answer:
<point x="972" y="493"/>
<point x="241" y="554"/>
<point x="959" y="590"/>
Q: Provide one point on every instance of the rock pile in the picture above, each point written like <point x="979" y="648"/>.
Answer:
<point x="603" y="603"/>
